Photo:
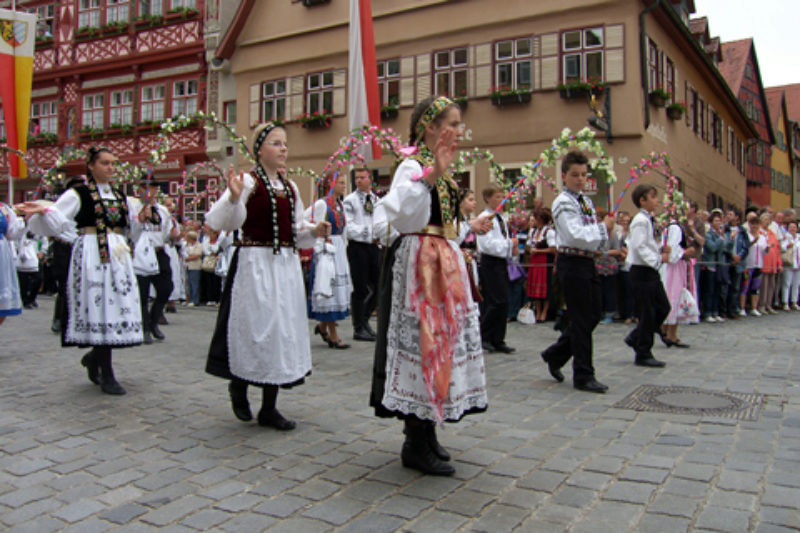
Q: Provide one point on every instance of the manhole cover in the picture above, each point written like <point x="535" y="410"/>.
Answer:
<point x="693" y="401"/>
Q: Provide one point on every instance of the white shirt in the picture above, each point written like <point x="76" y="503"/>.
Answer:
<point x="358" y="223"/>
<point x="573" y="229"/>
<point x="495" y="242"/>
<point x="755" y="256"/>
<point x="643" y="249"/>
<point x="157" y="233"/>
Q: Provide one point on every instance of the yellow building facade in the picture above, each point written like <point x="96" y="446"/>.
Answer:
<point x="781" y="181"/>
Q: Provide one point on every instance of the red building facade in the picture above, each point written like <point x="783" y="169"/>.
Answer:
<point x="110" y="72"/>
<point x="740" y="69"/>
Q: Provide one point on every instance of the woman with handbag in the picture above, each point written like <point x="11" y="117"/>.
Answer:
<point x="330" y="270"/>
<point x="541" y="249"/>
<point x="677" y="275"/>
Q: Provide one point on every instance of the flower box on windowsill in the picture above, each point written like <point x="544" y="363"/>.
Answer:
<point x="389" y="113"/>
<point x="657" y="99"/>
<point x="181" y="13"/>
<point x="43" y="139"/>
<point x="572" y="93"/>
<point x="674" y="113"/>
<point x="44" y="42"/>
<point x="88" y="34"/>
<point x="309" y="3"/>
<point x="511" y="99"/>
<point x="317" y="123"/>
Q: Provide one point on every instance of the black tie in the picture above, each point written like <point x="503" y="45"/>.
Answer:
<point x="368" y="207"/>
<point x="502" y="224"/>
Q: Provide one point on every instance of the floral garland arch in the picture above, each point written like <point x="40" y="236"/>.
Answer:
<point x="675" y="205"/>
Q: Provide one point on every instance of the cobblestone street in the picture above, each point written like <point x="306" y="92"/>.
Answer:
<point x="171" y="456"/>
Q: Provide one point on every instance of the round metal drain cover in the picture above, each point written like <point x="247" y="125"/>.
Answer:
<point x="696" y="400"/>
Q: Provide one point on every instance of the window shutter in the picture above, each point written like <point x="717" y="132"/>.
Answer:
<point x="407" y="66"/>
<point x="339" y="96"/>
<point x="483" y="80"/>
<point x="548" y="64"/>
<point x="296" y="85"/>
<point x="423" y="76"/>
<point x="255" y="114"/>
<point x="407" y="91"/>
<point x="615" y="66"/>
<point x="549" y="72"/>
<point x="549" y="44"/>
<point x="614" y="36"/>
<point x="340" y="78"/>
<point x="483" y="54"/>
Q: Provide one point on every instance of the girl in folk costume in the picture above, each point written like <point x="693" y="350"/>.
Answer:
<point x="330" y="270"/>
<point x="253" y="342"/>
<point x="11" y="229"/>
<point x="428" y="360"/>
<point x="676" y="274"/>
<point x="103" y="308"/>
<point x="542" y="248"/>
<point x="469" y="241"/>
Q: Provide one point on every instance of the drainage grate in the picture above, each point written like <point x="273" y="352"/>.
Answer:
<point x="693" y="401"/>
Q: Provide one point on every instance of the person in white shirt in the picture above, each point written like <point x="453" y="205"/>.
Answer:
<point x="579" y="235"/>
<point x="495" y="248"/>
<point x="31" y="249"/>
<point x="645" y="257"/>
<point x="751" y="281"/>
<point x="791" y="269"/>
<point x="363" y="253"/>
<point x="151" y="230"/>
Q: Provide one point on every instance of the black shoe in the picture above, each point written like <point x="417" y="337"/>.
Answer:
<point x="55" y="327"/>
<point x="679" y="344"/>
<point x="629" y="341"/>
<point x="162" y="321"/>
<point x="418" y="454"/>
<point x="148" y="339"/>
<point x="664" y="339"/>
<point x="112" y="387"/>
<point x="650" y="361"/>
<point x="239" y="403"/>
<point x="362" y="334"/>
<point x="273" y="418"/>
<point x="339" y="345"/>
<point x="555" y="371"/>
<point x="318" y="331"/>
<point x="488" y="347"/>
<point x="157" y="333"/>
<point x="591" y="386"/>
<point x="505" y="348"/>
<point x="369" y="329"/>
<point x="92" y="370"/>
<point x="433" y="442"/>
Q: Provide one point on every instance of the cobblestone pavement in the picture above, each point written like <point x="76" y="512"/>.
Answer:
<point x="170" y="455"/>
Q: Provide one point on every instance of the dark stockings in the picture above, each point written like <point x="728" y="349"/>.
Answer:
<point x="108" y="383"/>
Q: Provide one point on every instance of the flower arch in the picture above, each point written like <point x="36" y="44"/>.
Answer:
<point x="675" y="205"/>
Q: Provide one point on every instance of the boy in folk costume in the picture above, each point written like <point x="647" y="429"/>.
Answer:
<point x="645" y="257"/>
<point x="579" y="235"/>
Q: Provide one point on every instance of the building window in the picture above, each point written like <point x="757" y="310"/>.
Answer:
<point x="92" y="112"/>
<point x="760" y="154"/>
<point x="120" y="110"/>
<point x="320" y="92"/>
<point x="694" y="103"/>
<point x="513" y="64"/>
<point x="669" y="77"/>
<point x="716" y="132"/>
<point x="46" y="115"/>
<point x="89" y="13"/>
<point x="229" y="112"/>
<point x="389" y="81"/>
<point x="45" y="20"/>
<point x="582" y="54"/>
<point x="652" y="65"/>
<point x="450" y="72"/>
<point x="701" y="114"/>
<point x="117" y="11"/>
<point x="151" y="7"/>
<point x="188" y="4"/>
<point x="152" y="104"/>
<point x="273" y="100"/>
<point x="184" y="97"/>
<point x="748" y="71"/>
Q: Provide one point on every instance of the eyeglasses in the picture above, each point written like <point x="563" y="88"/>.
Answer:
<point x="278" y="144"/>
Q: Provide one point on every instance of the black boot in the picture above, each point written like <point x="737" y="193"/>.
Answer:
<point x="418" y="454"/>
<point x="157" y="332"/>
<point x="237" y="389"/>
<point x="438" y="449"/>
<point x="108" y="382"/>
<point x="92" y="370"/>
<point x="269" y="415"/>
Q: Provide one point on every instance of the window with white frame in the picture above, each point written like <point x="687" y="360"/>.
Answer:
<point x="273" y="100"/>
<point x="92" y="111"/>
<point x="513" y="63"/>
<point x="184" y="97"/>
<point x="652" y="65"/>
<point x="46" y="113"/>
<point x="319" y="96"/>
<point x="389" y="81"/>
<point x="669" y="77"/>
<point x="153" y="100"/>
<point x="120" y="110"/>
<point x="450" y="72"/>
<point x="151" y="7"/>
<point x="582" y="54"/>
<point x="117" y="11"/>
<point x="45" y="19"/>
<point x="229" y="112"/>
<point x="188" y="4"/>
<point x="89" y="13"/>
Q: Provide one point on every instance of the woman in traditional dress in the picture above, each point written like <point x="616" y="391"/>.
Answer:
<point x="330" y="293"/>
<point x="261" y="336"/>
<point x="11" y="228"/>
<point x="428" y="360"/>
<point x="541" y="247"/>
<point x="103" y="308"/>
<point x="676" y="274"/>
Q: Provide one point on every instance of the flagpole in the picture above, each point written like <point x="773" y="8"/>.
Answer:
<point x="10" y="177"/>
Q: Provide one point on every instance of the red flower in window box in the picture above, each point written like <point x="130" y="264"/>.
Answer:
<point x="317" y="119"/>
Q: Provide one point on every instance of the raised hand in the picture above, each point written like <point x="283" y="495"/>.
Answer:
<point x="444" y="153"/>
<point x="235" y="184"/>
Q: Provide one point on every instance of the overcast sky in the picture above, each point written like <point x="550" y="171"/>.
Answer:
<point x="773" y="24"/>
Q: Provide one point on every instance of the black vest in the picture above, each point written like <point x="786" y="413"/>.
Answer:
<point x="86" y="216"/>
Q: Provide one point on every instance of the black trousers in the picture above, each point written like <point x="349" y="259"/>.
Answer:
<point x="652" y="307"/>
<point x="495" y="289"/>
<point x="29" y="283"/>
<point x="365" y="269"/>
<point x="59" y="264"/>
<point x="582" y="294"/>
<point x="162" y="282"/>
